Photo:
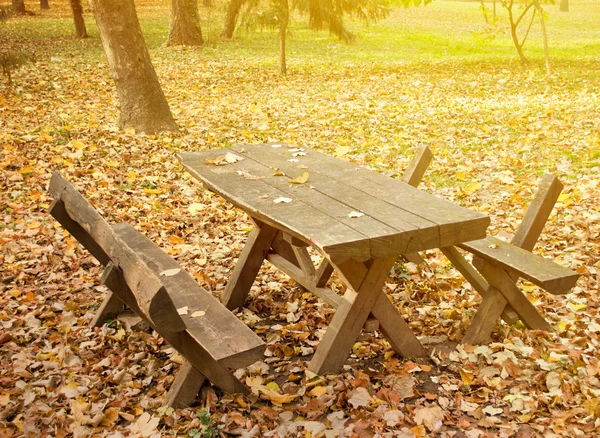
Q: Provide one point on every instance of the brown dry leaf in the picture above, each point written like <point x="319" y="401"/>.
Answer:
<point x="301" y="179"/>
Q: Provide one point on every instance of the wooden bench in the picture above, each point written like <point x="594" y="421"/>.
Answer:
<point x="500" y="264"/>
<point x="148" y="281"/>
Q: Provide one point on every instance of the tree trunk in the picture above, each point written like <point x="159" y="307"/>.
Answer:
<point x="19" y="6"/>
<point x="44" y="4"/>
<point x="80" y="30"/>
<point x="544" y="37"/>
<point x="207" y="3"/>
<point x="564" y="5"/>
<point x="184" y="29"/>
<point x="143" y="104"/>
<point x="284" y="16"/>
<point x="233" y="10"/>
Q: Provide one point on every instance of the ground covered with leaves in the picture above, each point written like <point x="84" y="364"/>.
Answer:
<point x="494" y="128"/>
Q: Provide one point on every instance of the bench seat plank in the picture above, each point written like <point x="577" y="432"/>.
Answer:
<point x="227" y="339"/>
<point x="542" y="272"/>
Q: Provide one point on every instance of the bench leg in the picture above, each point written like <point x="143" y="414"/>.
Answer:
<point x="350" y="317"/>
<point x="111" y="306"/>
<point x="254" y="253"/>
<point x="484" y="322"/>
<point x="185" y="387"/>
<point x="501" y="280"/>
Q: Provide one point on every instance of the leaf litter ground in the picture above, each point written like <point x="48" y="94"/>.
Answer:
<point x="493" y="130"/>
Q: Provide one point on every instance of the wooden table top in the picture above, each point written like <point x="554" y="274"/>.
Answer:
<point x="394" y="217"/>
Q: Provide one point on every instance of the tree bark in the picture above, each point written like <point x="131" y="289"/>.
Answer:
<point x="44" y="4"/>
<point x="564" y="5"/>
<point x="185" y="24"/>
<point x="143" y="104"/>
<point x="80" y="30"/>
<point x="19" y="6"/>
<point x="544" y="37"/>
<point x="284" y="15"/>
<point x="233" y="10"/>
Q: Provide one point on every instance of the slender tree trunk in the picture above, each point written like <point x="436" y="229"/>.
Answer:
<point x="44" y="4"/>
<point x="284" y="17"/>
<point x="544" y="37"/>
<point x="494" y="10"/>
<point x="143" y="104"/>
<point x="80" y="30"/>
<point x="564" y="5"/>
<point x="207" y="3"/>
<point x="184" y="29"/>
<point x="19" y="6"/>
<point x="233" y="10"/>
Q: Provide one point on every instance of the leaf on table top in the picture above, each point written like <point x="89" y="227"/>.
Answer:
<point x="183" y="310"/>
<point x="232" y="158"/>
<point x="282" y="199"/>
<point x="198" y="314"/>
<point x="170" y="272"/>
<point x="355" y="214"/>
<point x="300" y="179"/>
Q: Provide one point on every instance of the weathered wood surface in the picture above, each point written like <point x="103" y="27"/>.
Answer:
<point x="227" y="339"/>
<point x="96" y="234"/>
<point x="455" y="223"/>
<point x="184" y="342"/>
<point x="418" y="165"/>
<point x="545" y="273"/>
<point x="185" y="387"/>
<point x="397" y="218"/>
<point x="110" y="307"/>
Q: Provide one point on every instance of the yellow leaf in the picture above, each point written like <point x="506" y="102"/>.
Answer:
<point x="175" y="240"/>
<point x="340" y="151"/>
<point x="113" y="163"/>
<point x="466" y="376"/>
<point x="24" y="170"/>
<point x="300" y="179"/>
<point x="78" y="144"/>
<point x="576" y="307"/>
<point x="318" y="391"/>
<point x="461" y="176"/>
<point x="151" y="191"/>
<point x="472" y="188"/>
<point x="131" y="177"/>
<point x="278" y="173"/>
<point x="272" y="386"/>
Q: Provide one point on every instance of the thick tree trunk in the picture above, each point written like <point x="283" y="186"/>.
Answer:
<point x="19" y="6"/>
<point x="143" y="104"/>
<point x="564" y="5"/>
<point x="80" y="30"/>
<point x="233" y="10"/>
<point x="184" y="29"/>
<point x="44" y="4"/>
<point x="284" y="16"/>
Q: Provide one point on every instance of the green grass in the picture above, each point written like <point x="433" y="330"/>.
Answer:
<point x="440" y="32"/>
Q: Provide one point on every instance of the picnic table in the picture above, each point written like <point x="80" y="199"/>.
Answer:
<point x="359" y="220"/>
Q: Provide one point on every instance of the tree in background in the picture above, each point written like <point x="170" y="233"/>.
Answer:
<point x="231" y="16"/>
<point x="19" y="7"/>
<point x="184" y="28"/>
<point x="143" y="104"/>
<point x="519" y="12"/>
<point x="77" y="9"/>
<point x="564" y="5"/>
<point x="44" y="4"/>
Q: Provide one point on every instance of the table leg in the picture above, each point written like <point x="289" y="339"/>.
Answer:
<point x="350" y="316"/>
<point x="254" y="253"/>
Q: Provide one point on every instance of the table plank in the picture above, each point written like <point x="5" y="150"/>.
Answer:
<point x="417" y="233"/>
<point x="256" y="197"/>
<point x="456" y="223"/>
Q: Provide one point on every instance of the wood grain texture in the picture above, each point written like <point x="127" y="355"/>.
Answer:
<point x="184" y="342"/>
<point x="146" y="286"/>
<point x="349" y="319"/>
<point x="485" y="319"/>
<point x="545" y="273"/>
<point x="110" y="307"/>
<point x="538" y="212"/>
<point x="501" y="281"/>
<point x="220" y="333"/>
<point x="254" y="253"/>
<point x="418" y="165"/>
<point x="185" y="387"/>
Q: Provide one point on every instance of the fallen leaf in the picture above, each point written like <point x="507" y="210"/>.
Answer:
<point x="282" y="199"/>
<point x="355" y="214"/>
<point x="340" y="151"/>
<point x="300" y="179"/>
<point x="170" y="272"/>
<point x="360" y="397"/>
<point x="183" y="310"/>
